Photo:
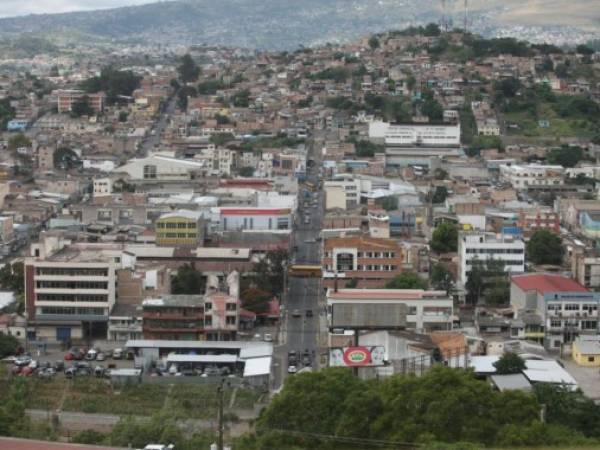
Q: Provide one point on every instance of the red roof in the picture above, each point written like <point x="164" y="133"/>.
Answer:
<point x="546" y="283"/>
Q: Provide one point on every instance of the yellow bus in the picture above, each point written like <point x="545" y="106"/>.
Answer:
<point x="305" y="270"/>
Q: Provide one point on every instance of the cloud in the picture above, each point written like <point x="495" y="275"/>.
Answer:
<point x="21" y="7"/>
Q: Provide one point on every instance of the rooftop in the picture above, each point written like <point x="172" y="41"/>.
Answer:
<point x="188" y="301"/>
<point x="384" y="294"/>
<point x="547" y="283"/>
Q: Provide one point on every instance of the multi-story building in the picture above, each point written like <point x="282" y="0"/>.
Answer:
<point x="426" y="311"/>
<point x="585" y="266"/>
<point x="566" y="308"/>
<point x="342" y="193"/>
<point x="180" y="228"/>
<point x="532" y="221"/>
<point x="371" y="262"/>
<point x="532" y="175"/>
<point x="102" y="187"/>
<point x="253" y="218"/>
<point x="70" y="289"/>
<point x="481" y="246"/>
<point x="66" y="98"/>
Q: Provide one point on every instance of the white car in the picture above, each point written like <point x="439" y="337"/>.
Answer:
<point x="268" y="337"/>
<point x="292" y="369"/>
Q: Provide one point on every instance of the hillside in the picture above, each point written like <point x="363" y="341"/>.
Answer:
<point x="276" y="24"/>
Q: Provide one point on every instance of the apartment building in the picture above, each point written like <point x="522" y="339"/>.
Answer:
<point x="566" y="308"/>
<point x="370" y="262"/>
<point x="532" y="175"/>
<point x="342" y="193"/>
<point x="70" y="289"/>
<point x="427" y="311"/>
<point x="482" y="246"/>
<point x="254" y="218"/>
<point x="65" y="98"/>
<point x="539" y="219"/>
<point x="180" y="228"/>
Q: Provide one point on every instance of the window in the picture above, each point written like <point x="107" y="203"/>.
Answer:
<point x="572" y="307"/>
<point x="555" y="323"/>
<point x="208" y="321"/>
<point x="181" y="225"/>
<point x="231" y="307"/>
<point x="150" y="172"/>
<point x="208" y="306"/>
<point x="230" y="320"/>
<point x="590" y="359"/>
<point x="412" y="310"/>
<point x="359" y="254"/>
<point x="283" y="223"/>
<point x="369" y="254"/>
<point x="191" y="225"/>
<point x="104" y="214"/>
<point x="181" y="235"/>
<point x="345" y="261"/>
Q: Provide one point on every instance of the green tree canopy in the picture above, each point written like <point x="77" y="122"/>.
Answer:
<point x="188" y="70"/>
<point x="509" y="363"/>
<point x="407" y="280"/>
<point x="188" y="281"/>
<point x="246" y="171"/>
<point x="17" y="141"/>
<point x="441" y="278"/>
<point x="220" y="139"/>
<point x="367" y="148"/>
<point x="82" y="107"/>
<point x="373" y="42"/>
<point x="270" y="270"/>
<point x="113" y="82"/>
<point x="566" y="156"/>
<point x="7" y="113"/>
<point x="445" y="238"/>
<point x="8" y="345"/>
<point x="439" y="195"/>
<point x="256" y="300"/>
<point x="545" y="247"/>
<point x="389" y="203"/>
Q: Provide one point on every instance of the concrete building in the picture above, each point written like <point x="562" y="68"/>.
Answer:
<point x="174" y="317"/>
<point x="163" y="167"/>
<point x="567" y="309"/>
<point x="342" y="194"/>
<point x="427" y="311"/>
<point x="525" y="176"/>
<point x="410" y="135"/>
<point x="102" y="187"/>
<point x="65" y="98"/>
<point x="482" y="246"/>
<point x="370" y="262"/>
<point x="180" y="228"/>
<point x="252" y="218"/>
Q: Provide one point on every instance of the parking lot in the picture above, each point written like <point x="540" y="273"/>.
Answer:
<point x="588" y="378"/>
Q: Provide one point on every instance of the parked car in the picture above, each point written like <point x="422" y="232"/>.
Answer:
<point x="117" y="353"/>
<point x="292" y="357"/>
<point x="296" y="313"/>
<point x="292" y="369"/>
<point x="100" y="356"/>
<point x="99" y="371"/>
<point x="268" y="337"/>
<point x="46" y="373"/>
<point x="91" y="354"/>
<point x="58" y="366"/>
<point x="306" y="358"/>
<point x="33" y="364"/>
<point x="23" y="360"/>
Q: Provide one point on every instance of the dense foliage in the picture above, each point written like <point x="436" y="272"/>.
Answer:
<point x="188" y="280"/>
<point x="7" y="113"/>
<point x="407" y="280"/>
<point x="444" y="405"/>
<point x="545" y="247"/>
<point x="566" y="156"/>
<point x="445" y="238"/>
<point x="509" y="363"/>
<point x="113" y="82"/>
<point x="188" y="70"/>
<point x="269" y="271"/>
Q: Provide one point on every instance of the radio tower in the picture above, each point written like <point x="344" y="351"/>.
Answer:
<point x="466" y="15"/>
<point x="444" y="16"/>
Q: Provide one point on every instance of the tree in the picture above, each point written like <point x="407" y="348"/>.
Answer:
<point x="439" y="195"/>
<point x="220" y="139"/>
<point x="441" y="278"/>
<point x="475" y="282"/>
<point x="561" y="70"/>
<point x="188" y="70"/>
<point x="246" y="171"/>
<point x="545" y="247"/>
<point x="65" y="158"/>
<point x="509" y="363"/>
<point x="367" y="148"/>
<point x="8" y="345"/>
<point x="584" y="50"/>
<point x="256" y="300"/>
<point x="89" y="437"/>
<point x="123" y="115"/>
<point x="115" y="83"/>
<point x="440" y="174"/>
<point x="389" y="203"/>
<point x="352" y="283"/>
<point x="445" y="238"/>
<point x="7" y="113"/>
<point x="188" y="281"/>
<point x="566" y="156"/>
<point x="270" y="270"/>
<point x="12" y="278"/>
<point x="82" y="107"/>
<point x="433" y="109"/>
<point x="374" y="42"/>
<point x="17" y="141"/>
<point x="241" y="99"/>
<point x="432" y="30"/>
<point x="487" y="280"/>
<point x="407" y="280"/>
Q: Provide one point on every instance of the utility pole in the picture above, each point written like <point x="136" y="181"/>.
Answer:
<point x="221" y="392"/>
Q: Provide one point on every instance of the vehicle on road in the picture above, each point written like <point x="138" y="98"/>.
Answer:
<point x="309" y="241"/>
<point x="22" y="361"/>
<point x="309" y="313"/>
<point x="117" y="353"/>
<point x="91" y="354"/>
<point x="268" y="337"/>
<point x="292" y="357"/>
<point x="306" y="220"/>
<point x="306" y="358"/>
<point x="296" y="313"/>
<point x="100" y="356"/>
<point x="292" y="369"/>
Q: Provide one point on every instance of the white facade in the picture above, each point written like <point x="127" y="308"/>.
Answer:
<point x="258" y="219"/>
<point x="342" y="194"/>
<point x="102" y="187"/>
<point x="435" y="135"/>
<point x="483" y="246"/>
<point x="162" y="167"/>
<point x="523" y="176"/>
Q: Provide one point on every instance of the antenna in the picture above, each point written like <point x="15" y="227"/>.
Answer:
<point x="444" y="16"/>
<point x="466" y="15"/>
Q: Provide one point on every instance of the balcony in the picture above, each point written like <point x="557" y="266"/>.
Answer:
<point x="172" y="316"/>
<point x="147" y="329"/>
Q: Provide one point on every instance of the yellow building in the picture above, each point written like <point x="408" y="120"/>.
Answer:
<point x="180" y="228"/>
<point x="586" y="351"/>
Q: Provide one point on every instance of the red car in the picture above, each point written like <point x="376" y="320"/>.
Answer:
<point x="27" y="371"/>
<point x="69" y="356"/>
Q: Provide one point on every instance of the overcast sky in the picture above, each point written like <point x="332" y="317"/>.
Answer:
<point x="21" y="7"/>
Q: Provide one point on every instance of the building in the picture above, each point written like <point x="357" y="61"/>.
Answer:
<point x="174" y="317"/>
<point x="567" y="309"/>
<point x="254" y="218"/>
<point x="342" y="193"/>
<point x="427" y="311"/>
<point x="161" y="167"/>
<point x="539" y="219"/>
<point x="586" y="351"/>
<point x="65" y="99"/>
<point x="482" y="247"/>
<point x="70" y="289"/>
<point x="532" y="175"/>
<point x="371" y="262"/>
<point x="180" y="228"/>
<point x="411" y="135"/>
<point x="102" y="187"/>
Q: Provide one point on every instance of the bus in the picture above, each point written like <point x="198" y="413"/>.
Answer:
<point x="305" y="270"/>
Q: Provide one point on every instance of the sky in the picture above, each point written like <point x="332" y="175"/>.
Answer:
<point x="21" y="7"/>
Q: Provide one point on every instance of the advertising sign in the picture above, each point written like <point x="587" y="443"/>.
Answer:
<point x="360" y="356"/>
<point x="366" y="316"/>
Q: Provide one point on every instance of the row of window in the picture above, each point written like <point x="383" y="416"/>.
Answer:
<point x="507" y="262"/>
<point x="176" y="225"/>
<point x="366" y="254"/>
<point x="496" y="251"/>
<point x="71" y="284"/>
<point x="72" y="298"/>
<point x="72" y="272"/>
<point x="228" y="306"/>
<point x="177" y="235"/>
<point x="69" y="311"/>
<point x="367" y="267"/>
<point x="583" y="324"/>
<point x="587" y="307"/>
<point x="174" y="323"/>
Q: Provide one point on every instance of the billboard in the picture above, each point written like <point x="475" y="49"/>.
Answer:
<point x="359" y="356"/>
<point x="368" y="316"/>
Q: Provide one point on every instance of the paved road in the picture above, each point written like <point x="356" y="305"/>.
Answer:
<point x="152" y="140"/>
<point x="303" y="294"/>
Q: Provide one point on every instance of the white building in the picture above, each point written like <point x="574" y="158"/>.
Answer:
<point x="163" y="167"/>
<point x="482" y="246"/>
<point x="524" y="176"/>
<point x="409" y="135"/>
<point x="342" y="193"/>
<point x="426" y="310"/>
<point x="252" y="218"/>
<point x="102" y="187"/>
